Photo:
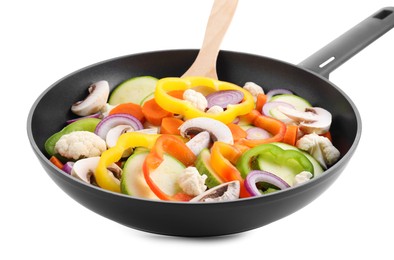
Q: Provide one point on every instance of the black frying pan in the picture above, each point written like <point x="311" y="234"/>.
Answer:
<point x="309" y="79"/>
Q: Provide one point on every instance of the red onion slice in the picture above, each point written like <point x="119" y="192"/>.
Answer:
<point x="273" y="105"/>
<point x="277" y="91"/>
<point x="67" y="167"/>
<point x="236" y="120"/>
<point x="224" y="97"/>
<point x="114" y="120"/>
<point x="263" y="176"/>
<point x="97" y="115"/>
<point x="257" y="133"/>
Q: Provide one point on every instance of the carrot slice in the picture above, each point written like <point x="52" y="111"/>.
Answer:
<point x="290" y="136"/>
<point x="153" y="113"/>
<point x="170" y="125"/>
<point x="56" y="162"/>
<point x="129" y="108"/>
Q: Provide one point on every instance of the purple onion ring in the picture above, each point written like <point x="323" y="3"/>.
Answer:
<point x="114" y="120"/>
<point x="67" y="167"/>
<point x="256" y="176"/>
<point x="277" y="91"/>
<point x="257" y="133"/>
<point x="224" y="98"/>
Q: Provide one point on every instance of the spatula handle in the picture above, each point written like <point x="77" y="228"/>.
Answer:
<point x="219" y="20"/>
<point x="350" y="43"/>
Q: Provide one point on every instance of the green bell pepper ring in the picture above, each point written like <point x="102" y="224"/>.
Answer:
<point x="286" y="164"/>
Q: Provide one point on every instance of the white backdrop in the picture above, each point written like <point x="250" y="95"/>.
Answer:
<point x="42" y="41"/>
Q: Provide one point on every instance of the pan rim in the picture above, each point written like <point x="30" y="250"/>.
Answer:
<point x="272" y="196"/>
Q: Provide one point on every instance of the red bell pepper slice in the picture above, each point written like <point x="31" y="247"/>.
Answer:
<point x="174" y="146"/>
<point x="276" y="127"/>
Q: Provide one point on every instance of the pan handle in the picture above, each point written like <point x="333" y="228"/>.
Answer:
<point x="350" y="43"/>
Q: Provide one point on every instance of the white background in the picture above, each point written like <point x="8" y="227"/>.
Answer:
<point x="42" y="41"/>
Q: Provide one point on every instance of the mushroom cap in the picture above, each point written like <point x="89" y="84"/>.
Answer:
<point x="217" y="130"/>
<point x="114" y="133"/>
<point x="312" y="120"/>
<point x="83" y="170"/>
<point x="97" y="98"/>
<point x="224" y="192"/>
<point x="322" y="123"/>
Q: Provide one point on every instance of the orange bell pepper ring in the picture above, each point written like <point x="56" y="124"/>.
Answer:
<point x="223" y="156"/>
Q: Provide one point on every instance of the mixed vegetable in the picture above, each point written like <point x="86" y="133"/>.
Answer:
<point x="193" y="139"/>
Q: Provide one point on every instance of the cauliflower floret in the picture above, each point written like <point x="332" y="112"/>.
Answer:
<point x="80" y="144"/>
<point x="320" y="148"/>
<point x="196" y="99"/>
<point x="191" y="182"/>
<point x="254" y="89"/>
<point x="302" y="177"/>
<point x="215" y="110"/>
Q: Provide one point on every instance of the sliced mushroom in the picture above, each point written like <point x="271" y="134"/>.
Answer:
<point x="224" y="192"/>
<point x="113" y="135"/>
<point x="312" y="120"/>
<point x="199" y="142"/>
<point x="96" y="100"/>
<point x="115" y="171"/>
<point x="217" y="130"/>
<point x="297" y="115"/>
<point x="84" y="170"/>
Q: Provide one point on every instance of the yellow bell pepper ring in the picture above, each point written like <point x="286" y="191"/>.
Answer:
<point x="185" y="108"/>
<point x="103" y="177"/>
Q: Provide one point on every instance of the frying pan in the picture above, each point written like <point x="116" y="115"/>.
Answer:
<point x="308" y="79"/>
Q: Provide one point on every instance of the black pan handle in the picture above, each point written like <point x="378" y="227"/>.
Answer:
<point x="350" y="43"/>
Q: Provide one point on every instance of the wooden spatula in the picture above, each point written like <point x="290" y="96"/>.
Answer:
<point x="219" y="20"/>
